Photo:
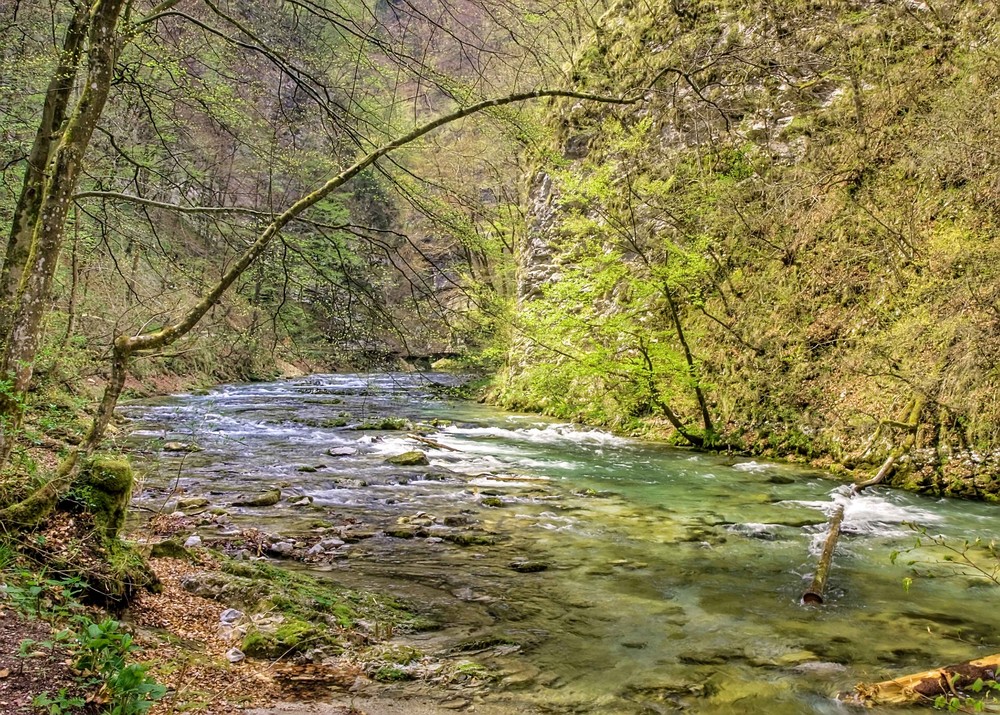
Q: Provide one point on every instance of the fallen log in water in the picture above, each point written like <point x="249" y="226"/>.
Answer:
<point x="948" y="681"/>
<point x="431" y="442"/>
<point x="814" y="594"/>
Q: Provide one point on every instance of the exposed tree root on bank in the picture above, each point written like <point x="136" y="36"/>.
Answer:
<point x="909" y="423"/>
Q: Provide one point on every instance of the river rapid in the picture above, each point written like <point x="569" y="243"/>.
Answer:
<point x="613" y="575"/>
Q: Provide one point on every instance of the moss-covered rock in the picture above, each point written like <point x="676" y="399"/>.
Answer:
<point x="290" y="636"/>
<point x="268" y="498"/>
<point x="412" y="458"/>
<point x="169" y="549"/>
<point x="385" y="423"/>
<point x="263" y="588"/>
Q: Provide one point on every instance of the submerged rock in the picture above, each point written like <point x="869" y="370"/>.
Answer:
<point x="409" y="459"/>
<point x="528" y="566"/>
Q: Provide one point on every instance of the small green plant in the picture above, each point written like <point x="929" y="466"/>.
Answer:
<point x="975" y="559"/>
<point x="53" y="599"/>
<point x="101" y="651"/>
<point x="985" y="694"/>
<point x="59" y="703"/>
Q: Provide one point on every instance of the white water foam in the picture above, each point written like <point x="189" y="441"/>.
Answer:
<point x="751" y="467"/>
<point x="550" y="434"/>
<point x="867" y="515"/>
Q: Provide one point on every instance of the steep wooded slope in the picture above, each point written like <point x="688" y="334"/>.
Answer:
<point x="793" y="241"/>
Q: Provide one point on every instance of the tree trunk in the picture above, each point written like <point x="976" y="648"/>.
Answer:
<point x="74" y="280"/>
<point x="29" y="202"/>
<point x="706" y="417"/>
<point x="28" y="307"/>
<point x="925" y="687"/>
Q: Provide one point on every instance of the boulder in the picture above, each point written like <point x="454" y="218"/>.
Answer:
<point x="412" y="458"/>
<point x="341" y="451"/>
<point x="268" y="498"/>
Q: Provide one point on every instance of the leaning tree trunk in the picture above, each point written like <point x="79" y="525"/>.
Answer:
<point x="125" y="347"/>
<point x="47" y="214"/>
<point x="706" y="416"/>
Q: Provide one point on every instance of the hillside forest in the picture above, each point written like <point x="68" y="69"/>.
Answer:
<point x="726" y="230"/>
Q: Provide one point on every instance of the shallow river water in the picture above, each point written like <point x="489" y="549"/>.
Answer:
<point x="671" y="579"/>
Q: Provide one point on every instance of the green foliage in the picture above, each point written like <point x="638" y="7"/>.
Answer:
<point x="59" y="703"/>
<point x="51" y="598"/>
<point x="101" y="651"/>
<point x="977" y="697"/>
<point x="828" y="254"/>
<point x="935" y="555"/>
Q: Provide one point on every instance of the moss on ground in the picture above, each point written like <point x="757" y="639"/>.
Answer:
<point x="298" y="597"/>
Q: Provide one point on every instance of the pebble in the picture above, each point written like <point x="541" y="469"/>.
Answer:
<point x="282" y="547"/>
<point x="234" y="655"/>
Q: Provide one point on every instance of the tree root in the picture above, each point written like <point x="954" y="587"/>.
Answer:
<point x="911" y="423"/>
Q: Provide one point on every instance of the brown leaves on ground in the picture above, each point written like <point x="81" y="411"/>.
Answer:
<point x="179" y="633"/>
<point x="23" y="678"/>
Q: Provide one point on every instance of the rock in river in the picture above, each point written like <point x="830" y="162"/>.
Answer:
<point x="268" y="498"/>
<point x="180" y="447"/>
<point x="409" y="459"/>
<point x="192" y="503"/>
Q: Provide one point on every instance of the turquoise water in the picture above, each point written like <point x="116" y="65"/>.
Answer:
<point x="673" y="578"/>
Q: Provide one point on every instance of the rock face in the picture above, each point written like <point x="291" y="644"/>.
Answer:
<point x="683" y="237"/>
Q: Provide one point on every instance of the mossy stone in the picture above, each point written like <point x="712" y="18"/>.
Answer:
<point x="169" y="549"/>
<point x="268" y="498"/>
<point x="412" y="458"/>
<point x="293" y="635"/>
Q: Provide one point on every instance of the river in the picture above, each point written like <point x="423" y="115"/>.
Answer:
<point x="671" y="579"/>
